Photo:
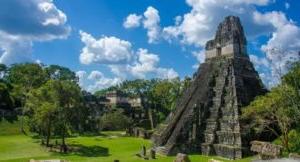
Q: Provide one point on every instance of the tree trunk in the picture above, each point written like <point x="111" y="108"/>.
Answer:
<point x="64" y="148"/>
<point x="151" y="118"/>
<point x="48" y="133"/>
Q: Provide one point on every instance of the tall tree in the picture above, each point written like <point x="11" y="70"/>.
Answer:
<point x="57" y="72"/>
<point x="54" y="105"/>
<point x="43" y="103"/>
<point x="25" y="77"/>
<point x="274" y="109"/>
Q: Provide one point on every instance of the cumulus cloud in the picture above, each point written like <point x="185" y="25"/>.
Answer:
<point x="103" y="83"/>
<point x="121" y="59"/>
<point x="95" y="80"/>
<point x="106" y="50"/>
<point x="150" y="20"/>
<point x="81" y="76"/>
<point x="94" y="75"/>
<point x="166" y="73"/>
<point x="145" y="64"/>
<point x="28" y="21"/>
<point x="151" y="23"/>
<point x="200" y="56"/>
<point x="132" y="21"/>
<point x="283" y="46"/>
<point x="199" y="25"/>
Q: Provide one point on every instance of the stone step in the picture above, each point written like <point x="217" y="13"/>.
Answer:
<point x="207" y="149"/>
<point x="161" y="150"/>
<point x="209" y="137"/>
<point x="228" y="151"/>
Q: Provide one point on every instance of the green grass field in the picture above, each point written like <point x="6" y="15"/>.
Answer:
<point x="104" y="148"/>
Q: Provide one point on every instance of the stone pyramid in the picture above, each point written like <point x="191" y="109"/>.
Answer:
<point x="207" y="117"/>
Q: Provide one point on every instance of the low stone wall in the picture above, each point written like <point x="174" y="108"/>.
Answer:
<point x="277" y="160"/>
<point x="140" y="132"/>
<point x="266" y="150"/>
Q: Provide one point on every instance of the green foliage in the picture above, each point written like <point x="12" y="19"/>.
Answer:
<point x="27" y="75"/>
<point x="57" y="72"/>
<point x="9" y="128"/>
<point x="115" y="120"/>
<point x="53" y="106"/>
<point x="280" y="108"/>
<point x="6" y="100"/>
<point x="274" y="109"/>
<point x="159" y="95"/>
<point x="294" y="140"/>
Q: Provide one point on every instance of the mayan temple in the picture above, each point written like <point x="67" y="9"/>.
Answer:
<point x="207" y="117"/>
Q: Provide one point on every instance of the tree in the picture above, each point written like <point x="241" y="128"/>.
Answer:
<point x="25" y="77"/>
<point x="292" y="78"/>
<point x="54" y="105"/>
<point x="43" y="103"/>
<point x="274" y="109"/>
<point x="115" y="120"/>
<point x="6" y="101"/>
<point x="57" y="72"/>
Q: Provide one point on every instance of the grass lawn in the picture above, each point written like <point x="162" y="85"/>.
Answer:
<point x="104" y="148"/>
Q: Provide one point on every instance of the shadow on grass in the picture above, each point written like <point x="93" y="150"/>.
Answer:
<point x="90" y="151"/>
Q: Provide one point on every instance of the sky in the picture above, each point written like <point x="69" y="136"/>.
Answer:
<point x="108" y="41"/>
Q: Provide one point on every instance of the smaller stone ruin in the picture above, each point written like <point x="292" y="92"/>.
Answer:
<point x="266" y="150"/>
<point x="180" y="157"/>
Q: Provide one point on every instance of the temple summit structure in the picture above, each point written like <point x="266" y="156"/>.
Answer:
<point x="207" y="117"/>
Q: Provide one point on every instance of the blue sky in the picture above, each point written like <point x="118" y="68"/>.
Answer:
<point x="163" y="38"/>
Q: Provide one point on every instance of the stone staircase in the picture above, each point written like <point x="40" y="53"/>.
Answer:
<point x="212" y="123"/>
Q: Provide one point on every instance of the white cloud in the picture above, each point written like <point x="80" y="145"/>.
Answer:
<point x="103" y="83"/>
<point x="81" y="76"/>
<point x="146" y="63"/>
<point x="150" y="19"/>
<point x="200" y="24"/>
<point x="132" y="21"/>
<point x="14" y="49"/>
<point x="95" y="80"/>
<point x="166" y="73"/>
<point x="151" y="23"/>
<point x="283" y="46"/>
<point x="200" y="56"/>
<point x="19" y="30"/>
<point x="259" y="62"/>
<point x="121" y="59"/>
<point x="106" y="50"/>
<point x="95" y="75"/>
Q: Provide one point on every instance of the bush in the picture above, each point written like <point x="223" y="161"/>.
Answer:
<point x="294" y="141"/>
<point x="115" y="120"/>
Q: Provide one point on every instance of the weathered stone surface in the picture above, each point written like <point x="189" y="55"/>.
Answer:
<point x="277" y="160"/>
<point x="182" y="158"/>
<point x="213" y="160"/>
<point x="206" y="118"/>
<point x="152" y="154"/>
<point x="54" y="160"/>
<point x="294" y="156"/>
<point x="139" y="132"/>
<point x="266" y="150"/>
